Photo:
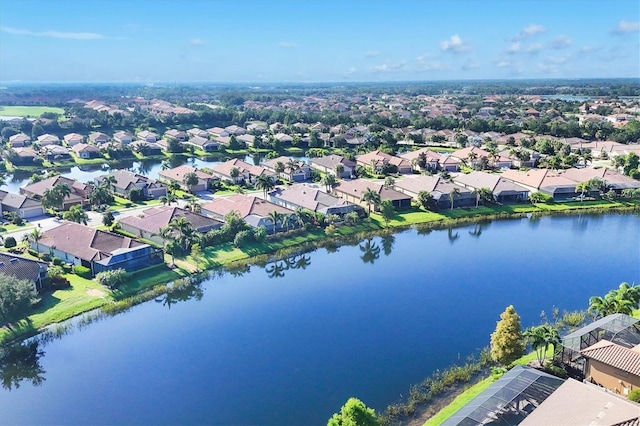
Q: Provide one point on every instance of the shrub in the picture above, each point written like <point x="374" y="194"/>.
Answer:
<point x="555" y="370"/>
<point x="82" y="271"/>
<point x="45" y="257"/>
<point x="2" y="229"/>
<point x="243" y="237"/>
<point x="59" y="282"/>
<point x="32" y="252"/>
<point x="112" y="279"/>
<point x="56" y="261"/>
<point x="10" y="242"/>
<point x="634" y="395"/>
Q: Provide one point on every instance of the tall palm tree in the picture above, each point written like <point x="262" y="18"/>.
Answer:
<point x="265" y="183"/>
<point x="63" y="190"/>
<point x="275" y="217"/>
<point x="302" y="217"/>
<point x="292" y="166"/>
<point x="329" y="181"/>
<point x="184" y="230"/>
<point x="452" y="196"/>
<point x="540" y="338"/>
<point x="168" y="235"/>
<point x="168" y="199"/>
<point x="339" y="169"/>
<point x="34" y="236"/>
<point x="370" y="196"/>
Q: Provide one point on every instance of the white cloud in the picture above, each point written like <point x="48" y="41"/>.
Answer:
<point x="388" y="67"/>
<point x="196" y="42"/>
<point x="351" y="71"/>
<point x="503" y="64"/>
<point x="627" y="27"/>
<point x="57" y="34"/>
<point x="529" y="31"/>
<point x="454" y="45"/>
<point x="561" y="42"/>
<point x="287" y="45"/>
<point x="517" y="47"/>
<point x="371" y="54"/>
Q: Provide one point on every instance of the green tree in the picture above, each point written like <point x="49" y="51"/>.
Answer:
<point x="354" y="413"/>
<point x="387" y="211"/>
<point x="16" y="297"/>
<point x="455" y="192"/>
<point x="370" y="197"/>
<point x="426" y="200"/>
<point x="275" y="217"/>
<point x="507" y="343"/>
<point x="168" y="236"/>
<point x="76" y="214"/>
<point x="540" y="337"/>
<point x="108" y="218"/>
<point x="34" y="237"/>
<point x="190" y="180"/>
<point x="538" y="197"/>
<point x="329" y="181"/>
<point x="265" y="182"/>
<point x="168" y="199"/>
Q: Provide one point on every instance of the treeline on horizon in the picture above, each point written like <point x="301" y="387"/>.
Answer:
<point x="236" y="93"/>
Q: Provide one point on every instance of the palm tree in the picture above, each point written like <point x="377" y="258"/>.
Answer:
<point x="452" y="196"/>
<point x="370" y="196"/>
<point x="76" y="214"/>
<point x="34" y="236"/>
<point x="275" y="217"/>
<point x="190" y="180"/>
<point x="292" y="166"/>
<point x="609" y="304"/>
<point x="185" y="231"/>
<point x="167" y="234"/>
<point x="265" y="183"/>
<point x="63" y="190"/>
<point x="339" y="169"/>
<point x="540" y="338"/>
<point x="193" y="205"/>
<point x="302" y="217"/>
<point x="425" y="199"/>
<point x="235" y="174"/>
<point x="583" y="187"/>
<point x="329" y="181"/>
<point x="168" y="199"/>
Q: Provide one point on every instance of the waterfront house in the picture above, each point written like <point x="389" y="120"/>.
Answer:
<point x="546" y="181"/>
<point x="309" y="197"/>
<point x="146" y="148"/>
<point x="96" y="249"/>
<point x="21" y="205"/>
<point x="177" y="174"/>
<point x="246" y="172"/>
<point x="217" y="132"/>
<point x="353" y="190"/>
<point x="613" y="366"/>
<point x="328" y="163"/>
<point x="147" y="136"/>
<point x="25" y="156"/>
<point x="24" y="269"/>
<point x="86" y="151"/>
<point x="197" y="132"/>
<point x="149" y="223"/>
<point x="55" y="153"/>
<point x="79" y="191"/>
<point x="177" y="135"/>
<point x="203" y="144"/>
<point x="423" y="159"/>
<point x="235" y="130"/>
<point x="255" y="211"/>
<point x="439" y="188"/>
<point x="125" y="181"/>
<point x="503" y="190"/>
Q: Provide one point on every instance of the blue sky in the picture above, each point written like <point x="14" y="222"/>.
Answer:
<point x="315" y="41"/>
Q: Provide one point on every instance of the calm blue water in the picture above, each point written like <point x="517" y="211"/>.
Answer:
<point x="291" y="350"/>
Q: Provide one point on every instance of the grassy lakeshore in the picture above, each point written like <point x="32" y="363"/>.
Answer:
<point x="85" y="295"/>
<point x="28" y="111"/>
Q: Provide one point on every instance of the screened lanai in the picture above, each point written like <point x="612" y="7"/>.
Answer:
<point x="617" y="328"/>
<point x="508" y="400"/>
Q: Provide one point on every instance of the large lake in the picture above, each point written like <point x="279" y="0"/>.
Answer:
<point x="367" y="321"/>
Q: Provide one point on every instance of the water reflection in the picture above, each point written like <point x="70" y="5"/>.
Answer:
<point x="370" y="251"/>
<point x="479" y="227"/>
<point x="452" y="237"/>
<point x="387" y="241"/>
<point x="278" y="268"/>
<point x="184" y="290"/>
<point x="21" y="363"/>
<point x="580" y="222"/>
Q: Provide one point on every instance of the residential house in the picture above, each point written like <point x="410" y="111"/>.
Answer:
<point x="24" y="269"/>
<point x="217" y="132"/>
<point x="177" y="174"/>
<point x="613" y="367"/>
<point x="86" y="151"/>
<point x="122" y="137"/>
<point x="98" y="138"/>
<point x="503" y="190"/>
<point x="96" y="249"/>
<point x="73" y="139"/>
<point x="79" y="191"/>
<point x="25" y="157"/>
<point x="255" y="211"/>
<point x="311" y="198"/>
<point x="197" y="132"/>
<point x="21" y="205"/>
<point x="380" y="162"/>
<point x="328" y="164"/>
<point x="613" y="180"/>
<point x="544" y="180"/>
<point x="520" y="157"/>
<point x="439" y="188"/>
<point x="148" y="224"/>
<point x="353" y="191"/>
<point x="203" y="144"/>
<point x="55" y="153"/>
<point x="177" y="135"/>
<point x="283" y="138"/>
<point x="288" y="168"/>
<point x="256" y="128"/>
<point x="147" y="136"/>
<point x="47" y="139"/>
<point x="146" y="148"/>
<point x="125" y="181"/>
<point x="246" y="139"/>
<point x="235" y="130"/>
<point x="246" y="172"/>
<point x="19" y="140"/>
<point x="423" y="159"/>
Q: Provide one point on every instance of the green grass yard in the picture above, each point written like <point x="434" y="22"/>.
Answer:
<point x="28" y="111"/>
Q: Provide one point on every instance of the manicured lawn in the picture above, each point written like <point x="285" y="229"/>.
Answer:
<point x="459" y="402"/>
<point x="28" y="111"/>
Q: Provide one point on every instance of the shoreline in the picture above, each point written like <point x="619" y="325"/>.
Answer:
<point x="295" y="243"/>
